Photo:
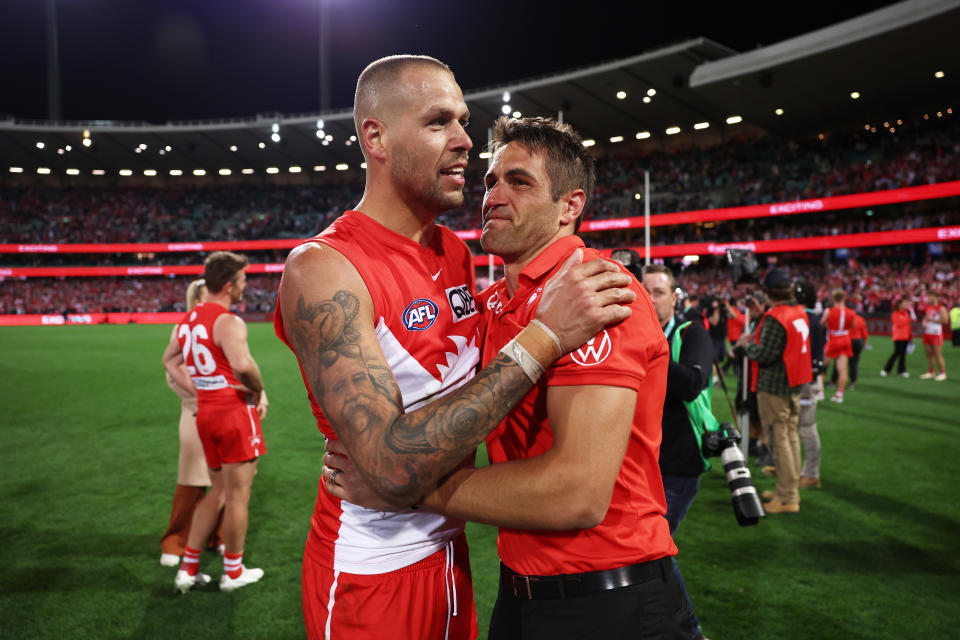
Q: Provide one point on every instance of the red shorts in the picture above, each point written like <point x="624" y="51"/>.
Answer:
<point x="408" y="604"/>
<point x="933" y="338"/>
<point x="230" y="434"/>
<point x="839" y="346"/>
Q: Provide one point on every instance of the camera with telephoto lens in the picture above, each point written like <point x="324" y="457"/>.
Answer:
<point x="631" y="260"/>
<point x="743" y="266"/>
<point x="725" y="442"/>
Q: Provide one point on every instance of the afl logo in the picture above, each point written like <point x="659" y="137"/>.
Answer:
<point x="594" y="351"/>
<point x="420" y="314"/>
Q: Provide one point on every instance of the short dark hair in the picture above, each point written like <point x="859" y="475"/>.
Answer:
<point x="220" y="268"/>
<point x="661" y="268"/>
<point x="569" y="165"/>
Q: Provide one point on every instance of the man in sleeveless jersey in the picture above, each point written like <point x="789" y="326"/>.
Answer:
<point x="380" y="312"/>
<point x="781" y="365"/>
<point x="574" y="483"/>
<point x="212" y="343"/>
<point x="838" y="320"/>
<point x="193" y="478"/>
<point x="934" y="317"/>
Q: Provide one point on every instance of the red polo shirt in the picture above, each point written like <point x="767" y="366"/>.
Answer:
<point x="630" y="354"/>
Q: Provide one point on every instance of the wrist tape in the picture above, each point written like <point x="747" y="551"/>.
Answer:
<point x="515" y="351"/>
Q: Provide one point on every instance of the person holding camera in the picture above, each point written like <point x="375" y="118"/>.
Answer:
<point x="688" y="376"/>
<point x="756" y="305"/>
<point x="781" y="365"/>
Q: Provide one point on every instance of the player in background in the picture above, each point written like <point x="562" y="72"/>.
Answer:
<point x="380" y="312"/>
<point x="193" y="479"/>
<point x="934" y="317"/>
<point x="838" y="320"/>
<point x="231" y="402"/>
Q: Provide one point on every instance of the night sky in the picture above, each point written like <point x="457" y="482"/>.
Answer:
<point x="190" y="59"/>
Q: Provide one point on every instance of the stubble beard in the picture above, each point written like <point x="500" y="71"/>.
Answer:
<point x="423" y="189"/>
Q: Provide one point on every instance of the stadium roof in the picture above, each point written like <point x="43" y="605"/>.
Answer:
<point x="889" y="57"/>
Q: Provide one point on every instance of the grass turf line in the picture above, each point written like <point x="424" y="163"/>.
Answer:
<point x="89" y="464"/>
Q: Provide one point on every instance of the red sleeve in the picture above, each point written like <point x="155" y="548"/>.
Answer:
<point x="618" y="355"/>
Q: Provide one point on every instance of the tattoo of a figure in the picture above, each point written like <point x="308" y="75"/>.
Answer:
<point x="404" y="454"/>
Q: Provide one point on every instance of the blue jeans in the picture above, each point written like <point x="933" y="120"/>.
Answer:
<point x="680" y="492"/>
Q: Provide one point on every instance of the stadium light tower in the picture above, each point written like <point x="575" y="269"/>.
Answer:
<point x="324" y="54"/>
<point x="53" y="62"/>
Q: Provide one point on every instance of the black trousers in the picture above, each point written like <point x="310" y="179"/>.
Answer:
<point x="654" y="609"/>
<point x="900" y="355"/>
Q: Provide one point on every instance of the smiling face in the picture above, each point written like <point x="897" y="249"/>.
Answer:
<point x="424" y="138"/>
<point x="520" y="217"/>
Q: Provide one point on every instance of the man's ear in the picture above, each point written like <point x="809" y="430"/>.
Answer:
<point x="574" y="202"/>
<point x="371" y="137"/>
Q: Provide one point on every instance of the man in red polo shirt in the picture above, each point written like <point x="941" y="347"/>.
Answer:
<point x="575" y="484"/>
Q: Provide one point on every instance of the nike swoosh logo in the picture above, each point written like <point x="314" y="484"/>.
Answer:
<point x="436" y="275"/>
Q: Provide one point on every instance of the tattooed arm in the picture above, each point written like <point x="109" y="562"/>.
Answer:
<point x="328" y="318"/>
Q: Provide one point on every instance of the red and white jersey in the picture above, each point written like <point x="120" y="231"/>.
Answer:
<point x="630" y="354"/>
<point x="931" y="321"/>
<point x="206" y="362"/>
<point x="840" y="321"/>
<point x="427" y="326"/>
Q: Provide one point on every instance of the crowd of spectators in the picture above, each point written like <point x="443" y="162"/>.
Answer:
<point x="111" y="215"/>
<point x="739" y="172"/>
<point x="878" y="286"/>
<point x="121" y="294"/>
<point x="873" y="288"/>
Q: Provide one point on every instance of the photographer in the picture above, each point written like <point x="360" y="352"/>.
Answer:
<point x="756" y="305"/>
<point x="781" y="366"/>
<point x="688" y="377"/>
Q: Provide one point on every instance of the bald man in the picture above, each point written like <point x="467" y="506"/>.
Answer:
<point x="379" y="310"/>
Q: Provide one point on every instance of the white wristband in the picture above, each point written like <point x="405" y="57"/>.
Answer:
<point x="515" y="351"/>
<point x="549" y="332"/>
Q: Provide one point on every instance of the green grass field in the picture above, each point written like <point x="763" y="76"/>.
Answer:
<point x="89" y="466"/>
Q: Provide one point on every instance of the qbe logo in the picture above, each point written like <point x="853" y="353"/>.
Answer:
<point x="594" y="351"/>
<point x="420" y="314"/>
<point x="461" y="302"/>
